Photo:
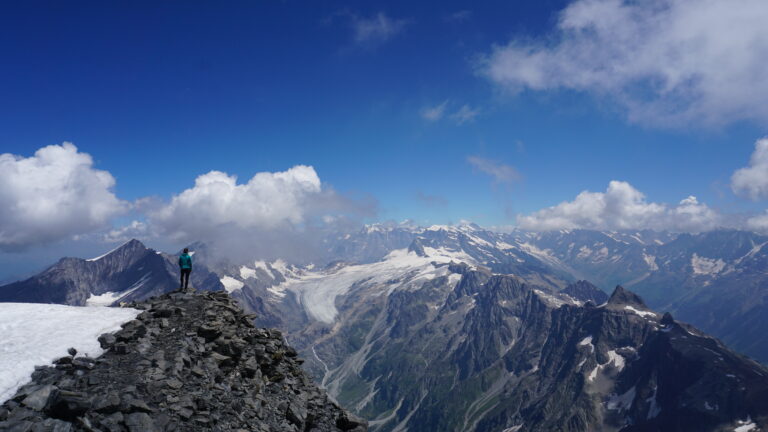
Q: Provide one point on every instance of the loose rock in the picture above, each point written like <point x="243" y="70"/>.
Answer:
<point x="189" y="362"/>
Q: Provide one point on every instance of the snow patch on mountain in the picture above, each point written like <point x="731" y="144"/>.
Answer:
<point x="37" y="334"/>
<point x="754" y="251"/>
<point x="587" y="341"/>
<point x="621" y="402"/>
<point x="642" y="313"/>
<point x="109" y="298"/>
<point x="102" y="256"/>
<point x="542" y="254"/>
<point x="617" y="360"/>
<point x="706" y="266"/>
<point x="651" y="261"/>
<point x="584" y="252"/>
<point x="106" y="299"/>
<point x="247" y="272"/>
<point x="746" y="426"/>
<point x="231" y="284"/>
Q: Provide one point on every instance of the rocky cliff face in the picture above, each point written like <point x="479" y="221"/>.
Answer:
<point x="191" y="362"/>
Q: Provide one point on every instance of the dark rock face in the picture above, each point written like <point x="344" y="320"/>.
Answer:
<point x="189" y="362"/>
<point x="625" y="297"/>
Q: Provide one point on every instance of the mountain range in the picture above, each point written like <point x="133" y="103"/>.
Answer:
<point x="462" y="328"/>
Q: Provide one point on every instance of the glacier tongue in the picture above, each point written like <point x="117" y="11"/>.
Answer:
<point x="317" y="291"/>
<point x="36" y="334"/>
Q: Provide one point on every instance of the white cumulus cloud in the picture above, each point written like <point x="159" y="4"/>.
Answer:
<point x="752" y="181"/>
<point x="53" y="195"/>
<point x="666" y="62"/>
<point x="622" y="207"/>
<point x="267" y="200"/>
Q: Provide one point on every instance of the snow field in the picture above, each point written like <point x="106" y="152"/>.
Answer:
<point x="37" y="334"/>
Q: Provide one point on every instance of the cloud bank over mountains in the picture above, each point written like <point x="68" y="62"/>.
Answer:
<point x="668" y="63"/>
<point x="276" y="213"/>
<point x="57" y="194"/>
<point x="622" y="207"/>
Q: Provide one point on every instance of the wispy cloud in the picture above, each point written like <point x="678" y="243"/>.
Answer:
<point x="434" y="113"/>
<point x="458" y="16"/>
<point x="670" y="63"/>
<point x="500" y="172"/>
<point x="376" y="29"/>
<point x="465" y="114"/>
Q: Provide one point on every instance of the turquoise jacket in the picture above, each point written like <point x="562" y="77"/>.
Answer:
<point x="185" y="261"/>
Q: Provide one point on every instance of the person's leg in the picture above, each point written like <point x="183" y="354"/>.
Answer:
<point x="181" y="280"/>
<point x="186" y="281"/>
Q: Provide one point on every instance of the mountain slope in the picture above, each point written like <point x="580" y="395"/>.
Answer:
<point x="131" y="271"/>
<point x="191" y="362"/>
<point x="493" y="354"/>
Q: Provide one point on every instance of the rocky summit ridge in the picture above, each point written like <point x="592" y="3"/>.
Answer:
<point x="188" y="362"/>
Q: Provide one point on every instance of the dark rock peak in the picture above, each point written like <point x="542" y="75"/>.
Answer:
<point x="667" y="319"/>
<point x="585" y="291"/>
<point x="190" y="362"/>
<point x="417" y="248"/>
<point x="131" y="249"/>
<point x="458" y="268"/>
<point x="625" y="297"/>
<point x="130" y="246"/>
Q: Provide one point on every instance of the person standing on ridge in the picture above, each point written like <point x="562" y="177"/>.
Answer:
<point x="185" y="265"/>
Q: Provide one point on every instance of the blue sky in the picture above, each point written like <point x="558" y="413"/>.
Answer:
<point x="159" y="93"/>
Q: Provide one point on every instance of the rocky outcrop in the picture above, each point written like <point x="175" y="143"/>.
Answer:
<point x="188" y="362"/>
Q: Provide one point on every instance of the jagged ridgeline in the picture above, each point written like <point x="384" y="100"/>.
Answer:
<point x="189" y="362"/>
<point x="496" y="354"/>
